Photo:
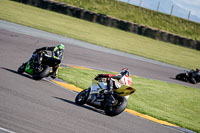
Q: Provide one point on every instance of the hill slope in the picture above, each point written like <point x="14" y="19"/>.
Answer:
<point x="139" y="15"/>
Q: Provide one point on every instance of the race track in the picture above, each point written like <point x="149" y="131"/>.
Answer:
<point x="28" y="106"/>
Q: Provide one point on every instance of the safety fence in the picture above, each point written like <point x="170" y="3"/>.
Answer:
<point x="113" y="22"/>
<point x="160" y="6"/>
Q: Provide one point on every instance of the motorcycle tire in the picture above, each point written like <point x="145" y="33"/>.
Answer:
<point x="82" y="97"/>
<point x="182" y="76"/>
<point x="193" y="81"/>
<point x="42" y="74"/>
<point x="118" y="108"/>
<point x="21" y="69"/>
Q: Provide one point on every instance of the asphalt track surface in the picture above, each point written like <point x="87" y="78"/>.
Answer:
<point x="28" y="106"/>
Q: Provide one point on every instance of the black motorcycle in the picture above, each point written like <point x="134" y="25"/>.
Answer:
<point x="36" y="66"/>
<point x="189" y="76"/>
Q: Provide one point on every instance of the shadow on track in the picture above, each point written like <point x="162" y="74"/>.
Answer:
<point x="14" y="71"/>
<point x="25" y="75"/>
<point x="173" y="78"/>
<point x="185" y="83"/>
<point x="83" y="106"/>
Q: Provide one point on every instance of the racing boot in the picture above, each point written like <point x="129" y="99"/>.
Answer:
<point x="53" y="75"/>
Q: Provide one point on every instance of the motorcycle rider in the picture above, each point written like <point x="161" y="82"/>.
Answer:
<point x="197" y="72"/>
<point x="55" y="60"/>
<point x="195" y="75"/>
<point x="112" y="84"/>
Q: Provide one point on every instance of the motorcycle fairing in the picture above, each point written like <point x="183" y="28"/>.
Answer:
<point x="125" y="90"/>
<point x="96" y="87"/>
<point x="28" y="68"/>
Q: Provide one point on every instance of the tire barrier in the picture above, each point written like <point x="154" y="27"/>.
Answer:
<point x="113" y="22"/>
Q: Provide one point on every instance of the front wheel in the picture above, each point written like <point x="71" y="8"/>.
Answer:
<point x="42" y="74"/>
<point x="118" y="108"/>
<point x="182" y="77"/>
<point x="82" y="97"/>
<point x="21" y="69"/>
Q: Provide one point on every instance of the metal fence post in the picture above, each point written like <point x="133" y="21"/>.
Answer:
<point x="172" y="10"/>
<point x="140" y="3"/>
<point x="158" y="6"/>
<point x="189" y="15"/>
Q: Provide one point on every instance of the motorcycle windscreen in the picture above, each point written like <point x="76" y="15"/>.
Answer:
<point x="125" y="90"/>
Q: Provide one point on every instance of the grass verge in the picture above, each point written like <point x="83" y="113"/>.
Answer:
<point x="98" y="34"/>
<point x="174" y="103"/>
<point x="140" y="15"/>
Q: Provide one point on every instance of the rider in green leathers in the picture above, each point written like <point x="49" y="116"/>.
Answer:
<point x="55" y="60"/>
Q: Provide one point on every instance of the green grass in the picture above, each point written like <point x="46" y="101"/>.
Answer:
<point x="98" y="34"/>
<point x="139" y="15"/>
<point x="174" y="103"/>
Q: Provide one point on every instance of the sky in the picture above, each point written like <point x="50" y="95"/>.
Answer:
<point x="182" y="8"/>
<point x="192" y="5"/>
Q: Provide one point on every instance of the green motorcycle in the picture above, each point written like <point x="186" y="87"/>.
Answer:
<point x="36" y="66"/>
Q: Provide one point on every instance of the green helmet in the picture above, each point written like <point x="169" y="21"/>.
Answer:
<point x="61" y="46"/>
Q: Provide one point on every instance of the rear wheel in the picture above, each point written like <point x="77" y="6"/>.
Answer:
<point x="193" y="81"/>
<point x="118" y="108"/>
<point x="42" y="74"/>
<point x="82" y="97"/>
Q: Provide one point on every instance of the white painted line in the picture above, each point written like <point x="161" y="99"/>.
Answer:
<point x="3" y="130"/>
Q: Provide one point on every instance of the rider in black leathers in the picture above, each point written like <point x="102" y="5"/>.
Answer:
<point x="196" y="73"/>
